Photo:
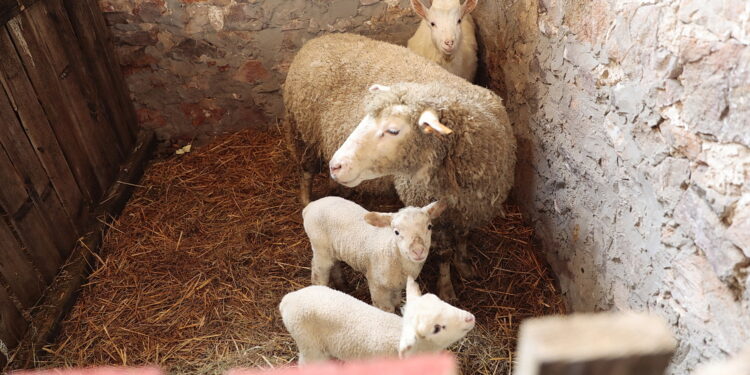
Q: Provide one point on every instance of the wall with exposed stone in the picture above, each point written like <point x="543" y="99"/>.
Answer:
<point x="634" y="164"/>
<point x="203" y="67"/>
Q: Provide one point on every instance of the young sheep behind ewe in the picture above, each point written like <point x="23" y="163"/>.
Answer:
<point x="326" y="324"/>
<point x="386" y="247"/>
<point x="436" y="135"/>
<point x="446" y="36"/>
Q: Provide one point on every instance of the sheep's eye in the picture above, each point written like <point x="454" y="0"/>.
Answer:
<point x="429" y="226"/>
<point x="392" y="131"/>
<point x="437" y="328"/>
<point x="432" y="24"/>
<point x="396" y="232"/>
<point x="459" y="20"/>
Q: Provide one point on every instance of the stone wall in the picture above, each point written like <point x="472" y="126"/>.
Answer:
<point x="201" y="67"/>
<point x="632" y="118"/>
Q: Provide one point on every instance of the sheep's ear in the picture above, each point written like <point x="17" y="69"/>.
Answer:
<point x="407" y="341"/>
<point x="412" y="289"/>
<point x="377" y="219"/>
<point x="434" y="209"/>
<point x="430" y="122"/>
<point x="468" y="6"/>
<point x="419" y="7"/>
<point x="379" y="88"/>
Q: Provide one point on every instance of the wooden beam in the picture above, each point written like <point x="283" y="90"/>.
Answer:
<point x="60" y="296"/>
<point x="594" y="344"/>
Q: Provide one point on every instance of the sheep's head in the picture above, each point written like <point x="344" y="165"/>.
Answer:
<point x="384" y="142"/>
<point x="444" y="18"/>
<point x="429" y="323"/>
<point x="412" y="228"/>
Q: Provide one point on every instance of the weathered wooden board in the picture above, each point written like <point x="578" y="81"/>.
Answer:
<point x="12" y="324"/>
<point x="97" y="49"/>
<point x="27" y="220"/>
<point x="38" y="186"/>
<point x="52" y="98"/>
<point x="39" y="131"/>
<point x="16" y="268"/>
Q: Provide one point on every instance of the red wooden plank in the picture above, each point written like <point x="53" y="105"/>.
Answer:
<point x="24" y="282"/>
<point x="96" y="52"/>
<point x="38" y="130"/>
<point x="55" y="105"/>
<point x="32" y="174"/>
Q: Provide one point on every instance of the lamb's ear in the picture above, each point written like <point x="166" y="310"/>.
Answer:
<point x="419" y="7"/>
<point x="468" y="6"/>
<point x="430" y="122"/>
<point x="377" y="219"/>
<point x="412" y="289"/>
<point x="407" y="341"/>
<point x="379" y="88"/>
<point x="434" y="209"/>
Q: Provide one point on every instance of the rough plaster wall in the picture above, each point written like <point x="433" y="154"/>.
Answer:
<point x="201" y="67"/>
<point x="632" y="118"/>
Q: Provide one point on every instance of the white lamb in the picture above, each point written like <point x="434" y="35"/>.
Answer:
<point x="446" y="36"/>
<point x="386" y="247"/>
<point x="327" y="324"/>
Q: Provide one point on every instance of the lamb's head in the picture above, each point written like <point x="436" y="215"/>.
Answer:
<point x="430" y="324"/>
<point x="412" y="228"/>
<point x="386" y="140"/>
<point x="444" y="18"/>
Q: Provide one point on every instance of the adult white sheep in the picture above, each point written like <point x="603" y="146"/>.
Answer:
<point x="404" y="132"/>
<point x="386" y="247"/>
<point x="446" y="36"/>
<point x="326" y="323"/>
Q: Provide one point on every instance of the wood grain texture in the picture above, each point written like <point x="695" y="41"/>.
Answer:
<point x="55" y="104"/>
<point x="17" y="270"/>
<point x="37" y="128"/>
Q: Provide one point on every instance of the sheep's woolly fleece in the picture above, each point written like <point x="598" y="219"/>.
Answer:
<point x="326" y="96"/>
<point x="193" y="270"/>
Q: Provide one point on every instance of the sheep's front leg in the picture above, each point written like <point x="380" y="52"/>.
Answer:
<point x="461" y="258"/>
<point x="381" y="297"/>
<point x="321" y="268"/>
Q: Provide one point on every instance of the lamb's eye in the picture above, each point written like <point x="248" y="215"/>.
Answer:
<point x="432" y="24"/>
<point x="395" y="231"/>
<point x="429" y="226"/>
<point x="392" y="131"/>
<point x="459" y="20"/>
<point x="437" y="328"/>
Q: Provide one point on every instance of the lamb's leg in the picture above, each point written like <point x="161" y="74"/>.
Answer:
<point x="337" y="276"/>
<point x="321" y="268"/>
<point x="381" y="297"/>
<point x="461" y="258"/>
<point x="395" y="297"/>
<point x="310" y="354"/>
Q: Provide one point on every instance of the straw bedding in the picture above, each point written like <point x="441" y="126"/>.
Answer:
<point x="191" y="274"/>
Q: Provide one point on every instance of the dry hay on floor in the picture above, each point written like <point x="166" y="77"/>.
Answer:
<point x="192" y="272"/>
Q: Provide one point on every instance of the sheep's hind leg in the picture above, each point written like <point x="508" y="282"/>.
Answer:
<point x="445" y="286"/>
<point x="461" y="258"/>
